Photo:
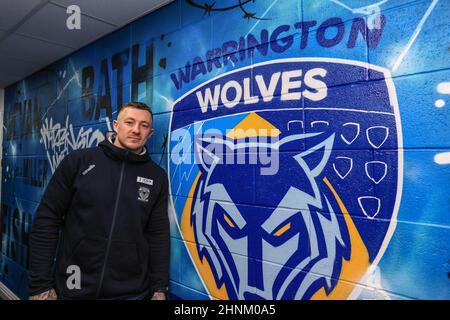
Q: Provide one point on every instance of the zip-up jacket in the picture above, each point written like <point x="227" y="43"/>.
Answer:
<point x="101" y="230"/>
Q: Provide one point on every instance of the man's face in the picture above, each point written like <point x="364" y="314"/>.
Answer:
<point x="133" y="128"/>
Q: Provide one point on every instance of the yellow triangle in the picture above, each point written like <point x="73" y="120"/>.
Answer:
<point x="253" y="126"/>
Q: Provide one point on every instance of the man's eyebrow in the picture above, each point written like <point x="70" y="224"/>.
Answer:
<point x="131" y="118"/>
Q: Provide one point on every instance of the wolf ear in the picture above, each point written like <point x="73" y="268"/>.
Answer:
<point x="315" y="158"/>
<point x="210" y="150"/>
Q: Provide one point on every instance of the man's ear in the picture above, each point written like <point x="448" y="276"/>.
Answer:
<point x="150" y="134"/>
<point x="115" y="125"/>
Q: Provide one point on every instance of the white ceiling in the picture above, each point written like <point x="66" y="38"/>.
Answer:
<point x="33" y="33"/>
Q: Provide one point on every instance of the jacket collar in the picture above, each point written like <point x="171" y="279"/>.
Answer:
<point x="122" y="154"/>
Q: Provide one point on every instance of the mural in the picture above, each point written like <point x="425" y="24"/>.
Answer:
<point x="305" y="194"/>
<point x="305" y="143"/>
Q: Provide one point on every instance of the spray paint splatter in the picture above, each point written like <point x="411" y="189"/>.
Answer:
<point x="442" y="88"/>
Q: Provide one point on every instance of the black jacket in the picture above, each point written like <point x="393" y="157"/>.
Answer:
<point x="111" y="206"/>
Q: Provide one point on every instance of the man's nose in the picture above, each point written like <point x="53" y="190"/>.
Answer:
<point x="136" y="129"/>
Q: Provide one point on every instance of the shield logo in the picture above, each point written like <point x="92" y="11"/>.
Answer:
<point x="287" y="177"/>
<point x="143" y="194"/>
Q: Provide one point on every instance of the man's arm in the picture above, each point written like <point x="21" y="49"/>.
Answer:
<point x="158" y="235"/>
<point x="45" y="229"/>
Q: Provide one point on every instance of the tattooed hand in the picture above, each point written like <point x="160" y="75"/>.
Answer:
<point x="159" y="296"/>
<point x="47" y="295"/>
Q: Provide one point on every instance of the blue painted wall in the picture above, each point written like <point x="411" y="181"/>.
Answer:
<point x="347" y="102"/>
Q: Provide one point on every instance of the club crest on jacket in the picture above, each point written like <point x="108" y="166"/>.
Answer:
<point x="143" y="193"/>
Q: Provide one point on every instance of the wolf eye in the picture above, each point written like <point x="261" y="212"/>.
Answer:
<point x="282" y="230"/>
<point x="228" y="220"/>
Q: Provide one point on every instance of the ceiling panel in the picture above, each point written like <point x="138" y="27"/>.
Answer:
<point x="32" y="50"/>
<point x="6" y="79"/>
<point x="118" y="12"/>
<point x="13" y="66"/>
<point x="49" y="23"/>
<point x="33" y="33"/>
<point x="13" y="70"/>
<point x="12" y="11"/>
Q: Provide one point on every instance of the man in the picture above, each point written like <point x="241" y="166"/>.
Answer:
<point x="101" y="230"/>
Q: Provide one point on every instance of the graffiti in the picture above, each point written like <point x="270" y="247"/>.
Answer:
<point x="333" y="222"/>
<point x="60" y="139"/>
<point x="442" y="158"/>
<point x="271" y="234"/>
<point x="414" y="36"/>
<point x="163" y="148"/>
<point x="313" y="88"/>
<point x="24" y="119"/>
<point x="442" y="88"/>
<point x="373" y="287"/>
<point x="278" y="41"/>
<point x="208" y="8"/>
<point x="94" y="103"/>
<point x="15" y="229"/>
<point x="33" y="171"/>
<point x="372" y="11"/>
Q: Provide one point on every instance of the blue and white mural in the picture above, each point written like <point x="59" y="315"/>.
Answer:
<point x="305" y="141"/>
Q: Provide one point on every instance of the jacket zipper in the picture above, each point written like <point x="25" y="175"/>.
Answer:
<point x="111" y="231"/>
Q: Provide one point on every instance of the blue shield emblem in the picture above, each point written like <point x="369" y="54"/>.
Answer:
<point x="286" y="177"/>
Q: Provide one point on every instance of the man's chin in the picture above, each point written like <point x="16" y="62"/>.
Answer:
<point x="134" y="147"/>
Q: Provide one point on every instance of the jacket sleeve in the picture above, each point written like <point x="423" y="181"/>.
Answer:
<point x="158" y="237"/>
<point x="47" y="224"/>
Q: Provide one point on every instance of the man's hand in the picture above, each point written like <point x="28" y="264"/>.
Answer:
<point x="159" y="296"/>
<point x="47" y="295"/>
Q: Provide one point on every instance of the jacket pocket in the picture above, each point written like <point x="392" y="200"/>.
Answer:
<point x="126" y="271"/>
<point x="125" y="260"/>
<point x="81" y="269"/>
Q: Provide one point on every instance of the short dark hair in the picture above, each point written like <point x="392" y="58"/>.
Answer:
<point x="136" y="105"/>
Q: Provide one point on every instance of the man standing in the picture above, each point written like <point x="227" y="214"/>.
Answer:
<point x="101" y="230"/>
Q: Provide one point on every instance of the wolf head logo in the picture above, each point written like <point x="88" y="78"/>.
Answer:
<point x="299" y="229"/>
<point x="317" y="225"/>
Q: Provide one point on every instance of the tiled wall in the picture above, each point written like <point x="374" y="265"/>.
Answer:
<point x="334" y="116"/>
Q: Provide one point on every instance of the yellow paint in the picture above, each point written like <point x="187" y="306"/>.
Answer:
<point x="230" y="223"/>
<point x="285" y="228"/>
<point x="202" y="265"/>
<point x="352" y="270"/>
<point x="253" y="126"/>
